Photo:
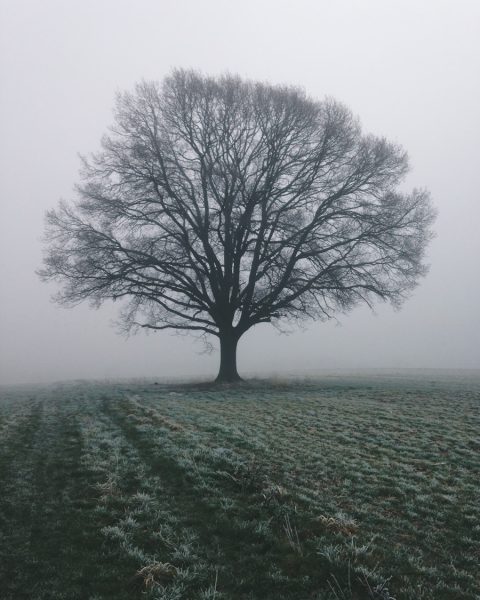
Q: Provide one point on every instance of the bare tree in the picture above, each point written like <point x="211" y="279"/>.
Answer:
<point x="217" y="204"/>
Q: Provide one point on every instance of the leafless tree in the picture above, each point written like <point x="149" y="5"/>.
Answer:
<point x="217" y="204"/>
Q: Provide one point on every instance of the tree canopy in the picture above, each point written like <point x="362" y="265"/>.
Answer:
<point x="217" y="204"/>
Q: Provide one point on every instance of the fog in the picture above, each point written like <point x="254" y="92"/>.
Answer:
<point x="409" y="70"/>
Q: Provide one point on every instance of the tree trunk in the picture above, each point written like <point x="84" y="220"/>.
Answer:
<point x="228" y="359"/>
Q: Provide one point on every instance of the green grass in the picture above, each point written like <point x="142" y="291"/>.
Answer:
<point x="343" y="488"/>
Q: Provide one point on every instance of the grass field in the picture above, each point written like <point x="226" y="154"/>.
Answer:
<point x="342" y="488"/>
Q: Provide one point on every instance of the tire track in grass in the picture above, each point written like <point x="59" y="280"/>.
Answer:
<point x="51" y="542"/>
<point x="65" y="544"/>
<point x="16" y="476"/>
<point x="244" y="555"/>
<point x="141" y="532"/>
<point x="30" y="515"/>
<point x="169" y="542"/>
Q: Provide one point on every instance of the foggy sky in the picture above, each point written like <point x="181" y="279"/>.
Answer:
<point x="409" y="69"/>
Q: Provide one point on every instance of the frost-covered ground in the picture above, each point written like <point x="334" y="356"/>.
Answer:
<point x="344" y="487"/>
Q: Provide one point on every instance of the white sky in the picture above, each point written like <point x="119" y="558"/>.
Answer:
<point x="409" y="68"/>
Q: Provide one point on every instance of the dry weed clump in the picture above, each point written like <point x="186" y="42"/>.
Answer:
<point x="340" y="524"/>
<point x="108" y="488"/>
<point x="273" y="494"/>
<point x="157" y="573"/>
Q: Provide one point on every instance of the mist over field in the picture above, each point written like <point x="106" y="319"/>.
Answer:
<point x="408" y="70"/>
